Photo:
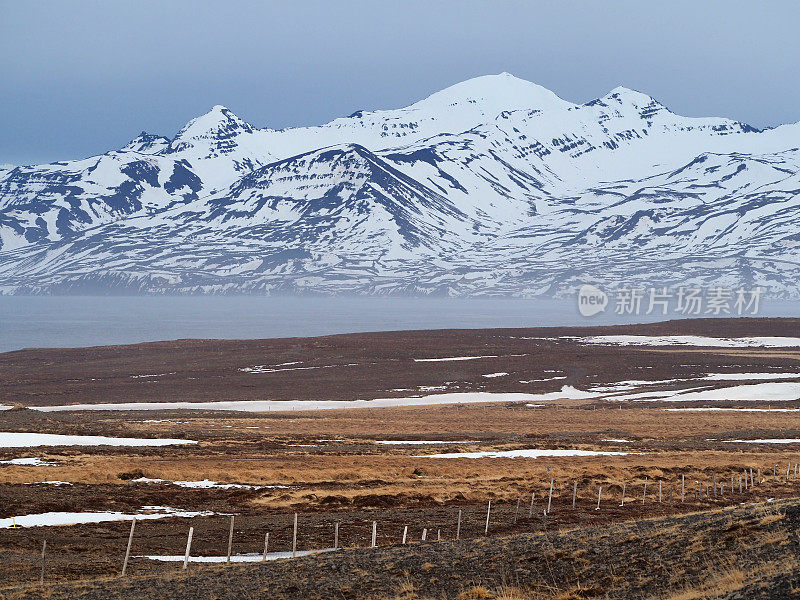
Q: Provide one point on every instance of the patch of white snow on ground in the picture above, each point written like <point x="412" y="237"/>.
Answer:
<point x="767" y="392"/>
<point x="529" y="453"/>
<point x="27" y="440"/>
<point x="499" y="374"/>
<point x="235" y="557"/>
<point x="748" y="376"/>
<point x="541" y="380"/>
<point x="452" y="358"/>
<point x="268" y="369"/>
<point x="765" y="441"/>
<point x="48" y="483"/>
<point x="28" y="462"/>
<point x="689" y="340"/>
<point x="567" y="392"/>
<point x="81" y="518"/>
<point x="205" y="484"/>
<point x="423" y="442"/>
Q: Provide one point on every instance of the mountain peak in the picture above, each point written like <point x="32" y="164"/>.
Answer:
<point x="217" y="126"/>
<point x="493" y="94"/>
<point x="218" y="121"/>
<point x="624" y="95"/>
<point x="148" y="143"/>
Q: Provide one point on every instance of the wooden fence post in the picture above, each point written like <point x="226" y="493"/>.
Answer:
<point x="458" y="526"/>
<point x="128" y="549"/>
<point x="516" y="511"/>
<point x="230" y="541"/>
<point x="624" y="485"/>
<point x="550" y="497"/>
<point x="424" y="534"/>
<point x="266" y="546"/>
<point x="530" y="510"/>
<point x="374" y="534"/>
<point x="44" y="554"/>
<point x="188" y="548"/>
<point x="488" y="512"/>
<point x="405" y="534"/>
<point x="336" y="535"/>
<point x="599" y="492"/>
<point x="659" y="490"/>
<point x="644" y="493"/>
<point x="683" y="488"/>
<point x="294" y="537"/>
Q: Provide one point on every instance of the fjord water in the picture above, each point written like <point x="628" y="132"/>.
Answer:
<point x="72" y="321"/>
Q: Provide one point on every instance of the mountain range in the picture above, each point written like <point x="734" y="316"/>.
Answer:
<point x="493" y="186"/>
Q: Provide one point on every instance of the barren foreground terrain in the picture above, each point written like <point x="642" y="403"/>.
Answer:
<point x="708" y="505"/>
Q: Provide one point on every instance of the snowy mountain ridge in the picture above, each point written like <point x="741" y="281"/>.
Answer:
<point x="492" y="186"/>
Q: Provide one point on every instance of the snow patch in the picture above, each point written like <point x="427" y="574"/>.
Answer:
<point x="240" y="558"/>
<point x="28" y="462"/>
<point x="764" y="441"/>
<point x="29" y="440"/>
<point x="767" y="392"/>
<point x="567" y="392"/>
<point x="689" y="340"/>
<point x="206" y="484"/>
<point x="423" y="442"/>
<point x="51" y="519"/>
<point x="530" y="453"/>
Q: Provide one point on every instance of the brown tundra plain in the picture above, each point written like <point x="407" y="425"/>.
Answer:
<point x="648" y="461"/>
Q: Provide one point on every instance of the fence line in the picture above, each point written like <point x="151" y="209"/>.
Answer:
<point x="714" y="491"/>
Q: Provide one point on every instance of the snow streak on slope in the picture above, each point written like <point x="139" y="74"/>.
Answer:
<point x="492" y="186"/>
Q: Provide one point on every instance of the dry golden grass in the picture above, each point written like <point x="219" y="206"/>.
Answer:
<point x="672" y="442"/>
<point x="771" y="519"/>
<point x="343" y="478"/>
<point x="504" y="593"/>
<point x="728" y="578"/>
<point x="492" y="420"/>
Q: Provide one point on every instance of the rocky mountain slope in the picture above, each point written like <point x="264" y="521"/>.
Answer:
<point x="492" y="186"/>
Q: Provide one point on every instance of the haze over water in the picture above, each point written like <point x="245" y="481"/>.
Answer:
<point x="68" y="321"/>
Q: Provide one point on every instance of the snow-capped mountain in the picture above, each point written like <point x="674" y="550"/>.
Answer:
<point x="492" y="186"/>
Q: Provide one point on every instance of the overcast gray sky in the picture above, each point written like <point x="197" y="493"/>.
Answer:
<point x="80" y="78"/>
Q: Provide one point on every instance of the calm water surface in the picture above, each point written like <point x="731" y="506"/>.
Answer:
<point x="27" y="322"/>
